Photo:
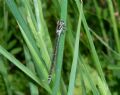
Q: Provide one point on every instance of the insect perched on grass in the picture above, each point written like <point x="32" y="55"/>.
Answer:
<point x="59" y="30"/>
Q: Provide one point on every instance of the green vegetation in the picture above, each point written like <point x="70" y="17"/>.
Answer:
<point x="88" y="57"/>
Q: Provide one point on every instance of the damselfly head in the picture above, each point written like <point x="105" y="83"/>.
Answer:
<point x="60" y="27"/>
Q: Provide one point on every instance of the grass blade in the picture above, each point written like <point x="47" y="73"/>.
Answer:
<point x="30" y="65"/>
<point x="29" y="38"/>
<point x="87" y="76"/>
<point x="94" y="54"/>
<point x="105" y="44"/>
<point x="75" y="57"/>
<point x="23" y="68"/>
<point x="93" y="51"/>
<point x="3" y="72"/>
<point x="117" y="39"/>
<point x="59" y="58"/>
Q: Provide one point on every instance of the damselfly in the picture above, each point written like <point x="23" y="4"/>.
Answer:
<point x="59" y="30"/>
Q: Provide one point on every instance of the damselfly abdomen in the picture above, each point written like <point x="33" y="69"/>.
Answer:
<point x="59" y="29"/>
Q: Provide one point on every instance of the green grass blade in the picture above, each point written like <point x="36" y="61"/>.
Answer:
<point x="40" y="66"/>
<point x="41" y="70"/>
<point x="93" y="51"/>
<point x="28" y="11"/>
<point x="21" y="21"/>
<point x="114" y="24"/>
<point x="40" y="43"/>
<point x="113" y="67"/>
<point x="44" y="37"/>
<point x="85" y="72"/>
<point x="63" y="87"/>
<point x="59" y="58"/>
<point x="44" y="40"/>
<point x="75" y="58"/>
<point x="3" y="72"/>
<point x="44" y="30"/>
<point x="104" y="43"/>
<point x="98" y="12"/>
<point x="33" y="89"/>
<point x="84" y="92"/>
<point x="30" y="65"/>
<point x="23" y="68"/>
<point x="94" y="54"/>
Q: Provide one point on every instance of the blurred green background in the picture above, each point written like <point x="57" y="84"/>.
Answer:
<point x="39" y="20"/>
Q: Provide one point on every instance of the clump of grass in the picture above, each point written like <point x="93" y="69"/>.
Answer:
<point x="32" y="18"/>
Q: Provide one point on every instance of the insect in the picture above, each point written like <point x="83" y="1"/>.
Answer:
<point x="59" y="30"/>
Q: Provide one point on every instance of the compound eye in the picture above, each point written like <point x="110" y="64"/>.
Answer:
<point x="59" y="27"/>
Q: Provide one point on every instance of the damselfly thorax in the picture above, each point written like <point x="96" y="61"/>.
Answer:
<point x="60" y="27"/>
<point x="59" y="30"/>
